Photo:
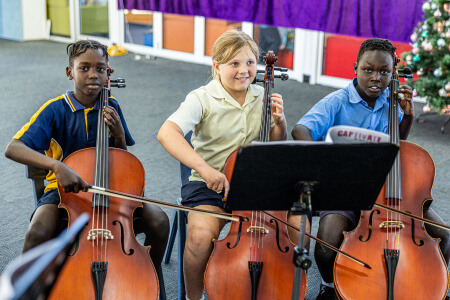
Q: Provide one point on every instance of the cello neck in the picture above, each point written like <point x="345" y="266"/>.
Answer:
<point x="101" y="152"/>
<point x="393" y="182"/>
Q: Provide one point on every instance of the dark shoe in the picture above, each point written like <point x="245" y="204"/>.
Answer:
<point x="326" y="293"/>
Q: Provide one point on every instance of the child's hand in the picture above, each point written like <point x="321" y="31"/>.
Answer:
<point x="405" y="99"/>
<point x="215" y="180"/>
<point x="277" y="108"/>
<point x="113" y="120"/>
<point x="68" y="179"/>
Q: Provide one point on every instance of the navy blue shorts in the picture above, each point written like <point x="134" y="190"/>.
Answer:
<point x="353" y="216"/>
<point x="196" y="193"/>
<point x="50" y="197"/>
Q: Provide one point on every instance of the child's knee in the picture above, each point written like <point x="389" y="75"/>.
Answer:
<point x="159" y="224"/>
<point x="40" y="231"/>
<point x="199" y="239"/>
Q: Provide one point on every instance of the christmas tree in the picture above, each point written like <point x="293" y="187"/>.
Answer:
<point x="430" y="56"/>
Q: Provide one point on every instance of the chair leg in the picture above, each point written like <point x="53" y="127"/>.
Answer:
<point x="182" y="218"/>
<point x="172" y="235"/>
<point x="162" y="288"/>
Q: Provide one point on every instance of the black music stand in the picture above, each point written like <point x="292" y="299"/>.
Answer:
<point x="286" y="175"/>
<point x="33" y="274"/>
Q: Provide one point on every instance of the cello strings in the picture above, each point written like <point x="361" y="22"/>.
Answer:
<point x="104" y="163"/>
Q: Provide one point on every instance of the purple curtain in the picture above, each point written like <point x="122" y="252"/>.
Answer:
<point x="391" y="19"/>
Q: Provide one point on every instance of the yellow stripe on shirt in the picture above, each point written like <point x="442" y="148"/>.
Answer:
<point x="34" y="117"/>
<point x="55" y="152"/>
<point x="86" y="111"/>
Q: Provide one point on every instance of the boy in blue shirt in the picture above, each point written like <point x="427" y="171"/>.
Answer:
<point x="363" y="103"/>
<point x="69" y="123"/>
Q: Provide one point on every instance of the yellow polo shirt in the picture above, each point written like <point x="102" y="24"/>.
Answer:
<point x="219" y="123"/>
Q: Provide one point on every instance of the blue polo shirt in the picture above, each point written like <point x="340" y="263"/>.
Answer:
<point x="346" y="107"/>
<point x="62" y="126"/>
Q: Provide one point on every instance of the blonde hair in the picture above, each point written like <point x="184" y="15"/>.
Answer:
<point x="228" y="45"/>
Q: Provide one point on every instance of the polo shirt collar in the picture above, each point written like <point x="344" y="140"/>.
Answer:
<point x="74" y="104"/>
<point x="216" y="90"/>
<point x="356" y="98"/>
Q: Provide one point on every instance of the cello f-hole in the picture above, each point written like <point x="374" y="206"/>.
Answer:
<point x="413" y="235"/>
<point x="75" y="246"/>
<point x="361" y="238"/>
<point x="286" y="249"/>
<point x="238" y="237"/>
<point x="122" y="239"/>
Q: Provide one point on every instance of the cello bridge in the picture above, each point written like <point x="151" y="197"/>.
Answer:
<point x="396" y="224"/>
<point x="94" y="233"/>
<point x="253" y="229"/>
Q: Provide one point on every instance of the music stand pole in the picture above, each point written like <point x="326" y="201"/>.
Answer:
<point x="301" y="261"/>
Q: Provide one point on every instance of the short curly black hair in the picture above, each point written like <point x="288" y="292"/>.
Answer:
<point x="377" y="44"/>
<point x="80" y="47"/>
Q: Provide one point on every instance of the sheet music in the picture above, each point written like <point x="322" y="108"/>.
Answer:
<point x="343" y="134"/>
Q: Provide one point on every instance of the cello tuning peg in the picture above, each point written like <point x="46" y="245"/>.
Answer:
<point x="282" y="76"/>
<point x="405" y="73"/>
<point x="118" y="84"/>
<point x="118" y="80"/>
<point x="260" y="71"/>
<point x="281" y="69"/>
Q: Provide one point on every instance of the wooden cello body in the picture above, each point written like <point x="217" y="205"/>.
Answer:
<point x="106" y="261"/>
<point x="421" y="272"/>
<point x="406" y="262"/>
<point x="255" y="259"/>
<point x="130" y="272"/>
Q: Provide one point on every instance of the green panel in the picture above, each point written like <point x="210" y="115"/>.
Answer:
<point x="94" y="19"/>
<point x="59" y="14"/>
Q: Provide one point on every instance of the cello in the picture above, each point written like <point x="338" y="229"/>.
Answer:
<point x="254" y="260"/>
<point x="406" y="262"/>
<point x="106" y="261"/>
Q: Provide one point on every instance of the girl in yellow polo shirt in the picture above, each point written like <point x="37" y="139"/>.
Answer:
<point x="223" y="116"/>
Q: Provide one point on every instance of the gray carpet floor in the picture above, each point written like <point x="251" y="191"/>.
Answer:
<point x="33" y="72"/>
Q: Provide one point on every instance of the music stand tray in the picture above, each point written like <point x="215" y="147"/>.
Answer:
<point x="266" y="176"/>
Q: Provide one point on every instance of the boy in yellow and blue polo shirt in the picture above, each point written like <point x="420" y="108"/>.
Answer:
<point x="62" y="126"/>
<point x="69" y="123"/>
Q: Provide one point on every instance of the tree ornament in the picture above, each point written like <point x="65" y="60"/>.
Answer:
<point x="415" y="93"/>
<point x="425" y="26"/>
<point x="443" y="93"/>
<point x="427" y="46"/>
<point x="433" y="5"/>
<point x="426" y="6"/>
<point x="441" y="42"/>
<point x="438" y="72"/>
<point x="414" y="37"/>
<point x="409" y="57"/>
<point x="416" y="58"/>
<point x="415" y="51"/>
<point x="447" y="7"/>
<point x="426" y="109"/>
<point x="447" y="34"/>
<point x="438" y="26"/>
<point x="447" y="87"/>
<point x="425" y="34"/>
<point x="420" y="72"/>
<point x="415" y="45"/>
<point x="437" y="13"/>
